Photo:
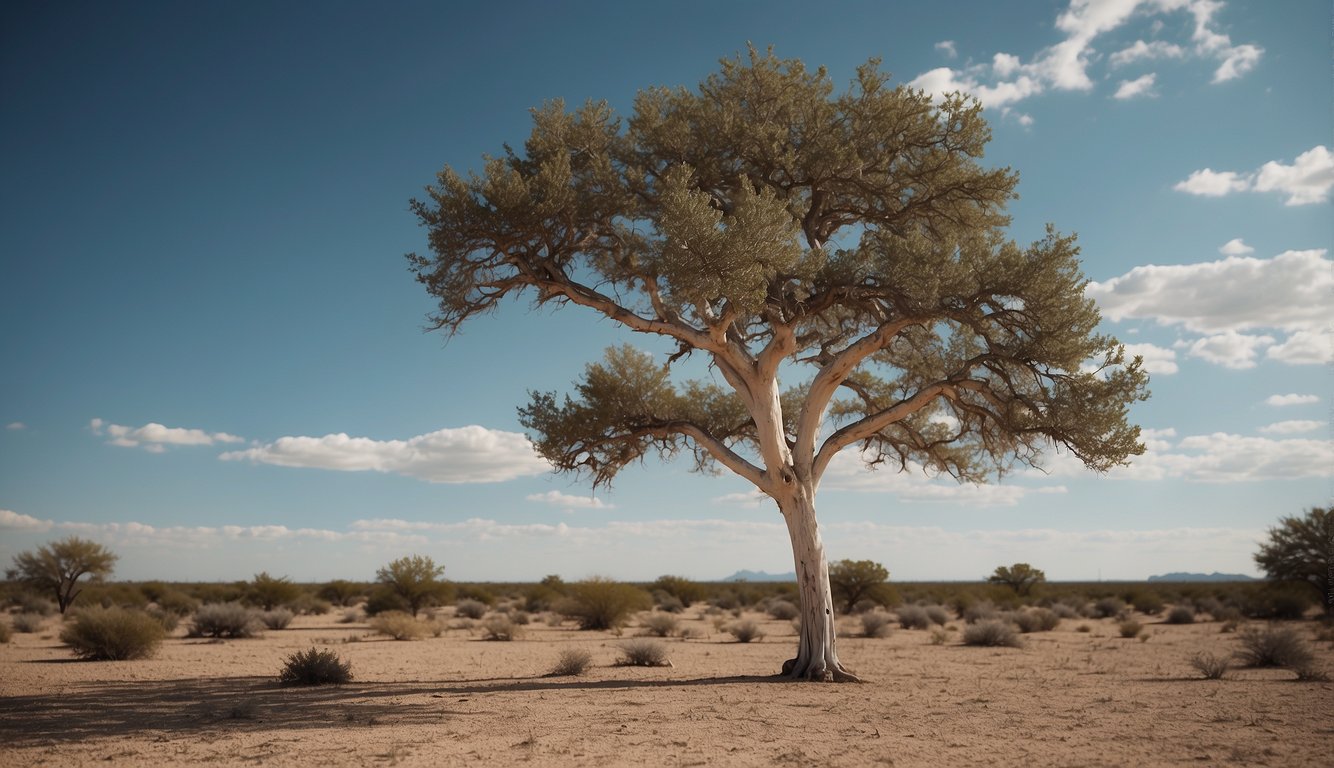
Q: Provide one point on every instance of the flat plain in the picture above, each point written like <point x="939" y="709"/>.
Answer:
<point x="1080" y="695"/>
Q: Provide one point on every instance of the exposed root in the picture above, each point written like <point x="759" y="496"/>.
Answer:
<point x="819" y="672"/>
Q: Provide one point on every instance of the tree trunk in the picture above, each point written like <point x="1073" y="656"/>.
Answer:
<point x="817" y="653"/>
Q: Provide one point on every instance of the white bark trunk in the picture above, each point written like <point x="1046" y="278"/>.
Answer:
<point x="817" y="650"/>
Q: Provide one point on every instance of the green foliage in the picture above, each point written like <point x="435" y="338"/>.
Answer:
<point x="225" y="620"/>
<point x="315" y="667"/>
<point x="107" y="594"/>
<point x="855" y="580"/>
<point x="112" y="634"/>
<point x="679" y="587"/>
<point x="58" y="568"/>
<point x="341" y="592"/>
<point x="600" y="603"/>
<point x="1301" y="549"/>
<point x="1146" y="601"/>
<point x="1021" y="577"/>
<point x="268" y="592"/>
<point x="1278" y="601"/>
<point x="385" y="599"/>
<point x="416" y="580"/>
<point x="992" y="632"/>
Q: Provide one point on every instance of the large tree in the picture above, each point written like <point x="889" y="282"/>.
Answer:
<point x="1302" y="549"/>
<point x="58" y="568"/>
<point x="776" y="227"/>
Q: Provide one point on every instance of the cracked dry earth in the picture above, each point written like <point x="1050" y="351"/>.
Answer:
<point x="1067" y="698"/>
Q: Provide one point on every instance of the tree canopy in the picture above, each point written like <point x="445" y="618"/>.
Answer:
<point x="1021" y="577"/>
<point x="1302" y="549"/>
<point x="57" y="568"/>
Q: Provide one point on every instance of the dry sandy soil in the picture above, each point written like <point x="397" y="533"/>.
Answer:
<point x="1067" y="698"/>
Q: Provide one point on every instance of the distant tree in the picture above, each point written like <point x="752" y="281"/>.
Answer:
<point x="56" y="569"/>
<point x="415" y="579"/>
<point x="679" y="587"/>
<point x="855" y="580"/>
<point x="769" y="224"/>
<point x="268" y="592"/>
<point x="341" y="592"/>
<point x="1021" y="577"/>
<point x="1302" y="549"/>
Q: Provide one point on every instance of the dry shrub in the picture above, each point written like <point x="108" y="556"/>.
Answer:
<point x="643" y="653"/>
<point x="1107" y="607"/>
<point x="745" y="631"/>
<point x="225" y="620"/>
<point x="1129" y="628"/>
<point x="1211" y="666"/>
<point x="572" y="661"/>
<point x="26" y="623"/>
<point x="350" y="616"/>
<point x="913" y="617"/>
<point x="113" y="634"/>
<point x="315" y="668"/>
<point x="600" y="603"/>
<point x="1035" y="620"/>
<point x="661" y="624"/>
<point x="980" y="612"/>
<point x="399" y="625"/>
<point x="937" y="614"/>
<point x="499" y="627"/>
<point x="470" y="609"/>
<point x="278" y="618"/>
<point x="991" y="632"/>
<point x="783" y="610"/>
<point x="5" y="633"/>
<point x="1181" y="614"/>
<point x="875" y="624"/>
<point x="939" y="635"/>
<point x="521" y="618"/>
<point x="1274" y="647"/>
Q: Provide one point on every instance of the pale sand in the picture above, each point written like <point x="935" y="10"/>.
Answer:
<point x="1066" y="699"/>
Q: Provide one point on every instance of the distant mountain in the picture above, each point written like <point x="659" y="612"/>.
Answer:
<point x="1215" y="576"/>
<point x="761" y="576"/>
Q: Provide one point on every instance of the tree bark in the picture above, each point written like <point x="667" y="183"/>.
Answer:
<point x="817" y="651"/>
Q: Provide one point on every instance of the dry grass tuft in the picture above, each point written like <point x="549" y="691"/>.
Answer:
<point x="314" y="667"/>
<point x="643" y="653"/>
<point x="399" y="625"/>
<point x="572" y="661"/>
<point x="1210" y="666"/>
<point x="992" y="632"/>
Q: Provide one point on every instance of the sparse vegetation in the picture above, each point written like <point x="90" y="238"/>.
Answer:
<point x="470" y="609"/>
<point x="225" y="620"/>
<point x="600" y="603"/>
<point x="572" y="661"/>
<point x="1035" y="620"/>
<point x="855" y="580"/>
<point x="268" y="592"/>
<point x="112" y="634"/>
<point x="278" y="618"/>
<point x="1021" y="577"/>
<point x="1181" y="614"/>
<point x="643" y="653"/>
<point x="57" y="569"/>
<point x="745" y="631"/>
<point x="875" y="624"/>
<point x="6" y="634"/>
<point x="1210" y="666"/>
<point x="1274" y="647"/>
<point x="315" y="667"/>
<point x="783" y="610"/>
<point x="1108" y="607"/>
<point x="913" y="617"/>
<point x="1129" y="628"/>
<point x="499" y="627"/>
<point x="415" y="580"/>
<point x="661" y="624"/>
<point x="26" y="623"/>
<point x="991" y="632"/>
<point x="399" y="625"/>
<point x="1299" y="550"/>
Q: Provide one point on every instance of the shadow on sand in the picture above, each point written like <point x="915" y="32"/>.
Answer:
<point x="177" y="707"/>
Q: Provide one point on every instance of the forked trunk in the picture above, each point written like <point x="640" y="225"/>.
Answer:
<point x="817" y="651"/>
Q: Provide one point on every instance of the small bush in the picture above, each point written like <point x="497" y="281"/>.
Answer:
<point x="783" y="610"/>
<point x="399" y="625"/>
<point x="167" y="619"/>
<point x="30" y="603"/>
<point x="939" y="635"/>
<point x="177" y="602"/>
<point x="1181" y="614"/>
<point x="5" y="633"/>
<point x="383" y="600"/>
<point x="315" y="668"/>
<point x="745" y="631"/>
<point x="1065" y="611"/>
<point x="1083" y="628"/>
<point x="521" y="618"/>
<point x="572" y="661"/>
<point x="499" y="628"/>
<point x="225" y="620"/>
<point x="602" y="603"/>
<point x="1148" y="603"/>
<point x="26" y="623"/>
<point x="661" y="624"/>
<point x="1035" y="620"/>
<point x="350" y="616"/>
<point x="470" y="609"/>
<point x="113" y="634"/>
<point x="991" y="632"/>
<point x="875" y="624"/>
<point x="937" y="614"/>
<point x="668" y="602"/>
<point x="1107" y="607"/>
<point x="1211" y="666"/>
<point x="1129" y="628"/>
<point x="1274" y="647"/>
<point x="278" y="618"/>
<point x="980" y="612"/>
<point x="643" y="653"/>
<point x="913" y="617"/>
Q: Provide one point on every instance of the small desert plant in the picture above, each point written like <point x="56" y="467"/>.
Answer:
<point x="980" y="612"/>
<point x="1036" y="620"/>
<point x="937" y="614"/>
<point x="1148" y="603"/>
<point x="1211" y="666"/>
<point x="28" y="622"/>
<point x="939" y="635"/>
<point x="745" y="631"/>
<point x="521" y="618"/>
<point x="1083" y="628"/>
<point x="782" y="610"/>
<point x="167" y="619"/>
<point x="991" y="632"/>
<point x="225" y="620"/>
<point x="1107" y="607"/>
<point x="315" y="668"/>
<point x="668" y="602"/>
<point x="913" y="617"/>
<point x="572" y="661"/>
<point x="30" y="603"/>
<point x="113" y="634"/>
<point x="600" y="603"/>
<point x="399" y="625"/>
<point x="350" y="616"/>
<point x="5" y="633"/>
<point x="875" y="624"/>
<point x="1181" y="614"/>
<point x="1065" y="611"/>
<point x="278" y="618"/>
<point x="499" y="627"/>
<point x="1129" y="628"/>
<point x="1274" y="647"/>
<point x="643" y="653"/>
<point x="470" y="609"/>
<point x="177" y="602"/>
<point x="661" y="624"/>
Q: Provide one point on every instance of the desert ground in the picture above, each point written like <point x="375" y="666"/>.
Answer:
<point x="1066" y="698"/>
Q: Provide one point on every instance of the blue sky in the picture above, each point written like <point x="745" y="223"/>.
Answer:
<point x="213" y="351"/>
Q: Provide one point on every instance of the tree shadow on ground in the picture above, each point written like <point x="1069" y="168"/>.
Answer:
<point x="177" y="707"/>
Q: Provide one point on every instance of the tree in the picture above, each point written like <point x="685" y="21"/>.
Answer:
<point x="772" y="226"/>
<point x="1302" y="549"/>
<point x="57" y="568"/>
<point x="414" y="579"/>
<point x="268" y="592"/>
<point x="1021" y="577"/>
<point x="855" y="580"/>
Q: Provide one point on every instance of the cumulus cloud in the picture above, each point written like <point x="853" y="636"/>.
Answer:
<point x="848" y="472"/>
<point x="1140" y="86"/>
<point x="568" y="502"/>
<point x="1230" y="349"/>
<point x="1291" y="427"/>
<point x="13" y="521"/>
<point x="1235" y="247"/>
<point x="1140" y="50"/>
<point x="1306" y="181"/>
<point x="948" y="48"/>
<point x="1280" y="401"/>
<point x="1229" y="458"/>
<point x="469" y="454"/>
<point x="1158" y="361"/>
<point x="1304" y="348"/>
<point x="154" y="437"/>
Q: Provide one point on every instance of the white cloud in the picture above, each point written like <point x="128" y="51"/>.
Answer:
<point x="154" y="437"/>
<point x="567" y="502"/>
<point x="469" y="454"/>
<point x="1280" y="401"/>
<point x="1291" y="427"/>
<point x="1140" y="86"/>
<point x="1230" y="349"/>
<point x="13" y="521"/>
<point x="1158" y="49"/>
<point x="1025" y="120"/>
<point x="1158" y="361"/>
<point x="15" y="426"/>
<point x="1288" y="292"/>
<point x="1237" y="61"/>
<point x="947" y="47"/>
<point x="1004" y="64"/>
<point x="1304" y="348"/>
<point x="1228" y="458"/>
<point x="752" y="499"/>
<point x="1306" y="181"/>
<point x="1235" y="247"/>
<point x="848" y="472"/>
